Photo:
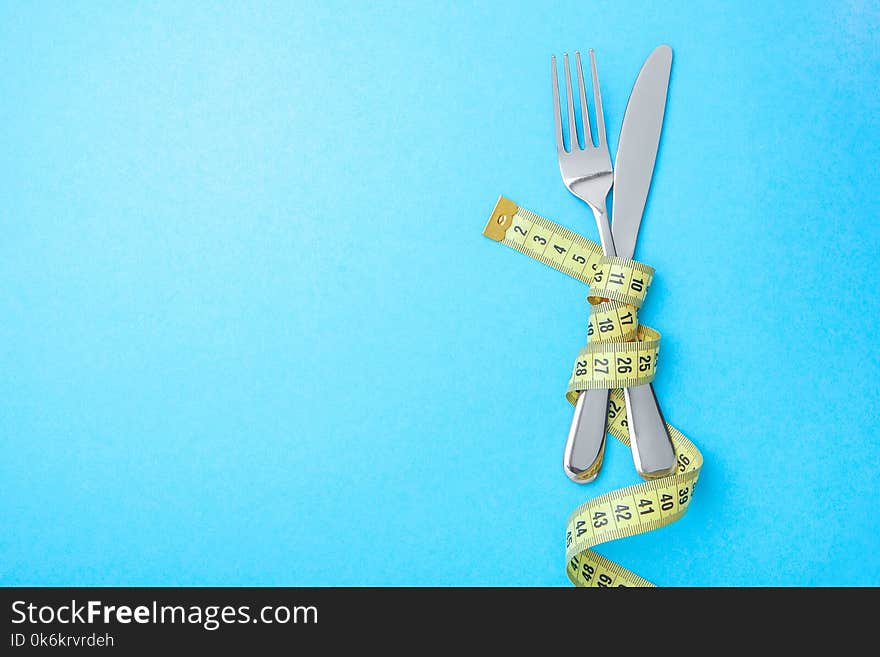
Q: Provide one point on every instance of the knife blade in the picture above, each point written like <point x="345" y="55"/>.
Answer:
<point x="652" y="449"/>
<point x="637" y="149"/>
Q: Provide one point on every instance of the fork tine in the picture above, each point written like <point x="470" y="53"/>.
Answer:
<point x="572" y="126"/>
<point x="560" y="146"/>
<point x="600" y="116"/>
<point x="585" y="117"/>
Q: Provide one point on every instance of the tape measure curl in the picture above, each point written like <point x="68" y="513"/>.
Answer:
<point x="620" y="352"/>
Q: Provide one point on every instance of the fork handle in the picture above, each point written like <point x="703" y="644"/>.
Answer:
<point x="585" y="446"/>
<point x="605" y="236"/>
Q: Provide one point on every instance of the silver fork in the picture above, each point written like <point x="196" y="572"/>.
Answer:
<point x="587" y="173"/>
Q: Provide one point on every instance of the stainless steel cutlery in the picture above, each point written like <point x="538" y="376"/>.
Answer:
<point x="588" y="174"/>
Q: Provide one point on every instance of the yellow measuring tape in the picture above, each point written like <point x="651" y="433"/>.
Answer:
<point x="619" y="353"/>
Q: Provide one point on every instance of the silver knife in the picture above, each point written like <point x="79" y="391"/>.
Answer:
<point x="652" y="449"/>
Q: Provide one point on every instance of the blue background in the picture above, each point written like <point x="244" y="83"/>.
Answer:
<point x="251" y="333"/>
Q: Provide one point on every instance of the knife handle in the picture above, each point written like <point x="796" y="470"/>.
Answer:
<point x="585" y="446"/>
<point x="649" y="439"/>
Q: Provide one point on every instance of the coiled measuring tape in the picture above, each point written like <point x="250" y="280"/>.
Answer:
<point x="619" y="353"/>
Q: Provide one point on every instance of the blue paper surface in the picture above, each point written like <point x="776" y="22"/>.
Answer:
<point x="250" y="333"/>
